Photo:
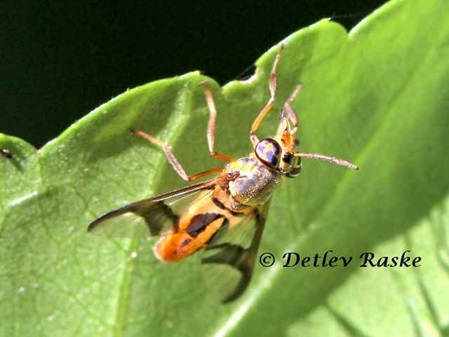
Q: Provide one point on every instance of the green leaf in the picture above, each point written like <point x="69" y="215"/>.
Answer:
<point x="376" y="96"/>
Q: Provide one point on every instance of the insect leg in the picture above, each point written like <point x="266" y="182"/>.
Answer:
<point x="211" y="126"/>
<point x="291" y="113"/>
<point x="172" y="159"/>
<point x="269" y="105"/>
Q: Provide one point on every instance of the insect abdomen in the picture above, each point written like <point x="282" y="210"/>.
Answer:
<point x="193" y="234"/>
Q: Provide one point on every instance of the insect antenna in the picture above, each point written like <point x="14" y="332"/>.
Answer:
<point x="333" y="160"/>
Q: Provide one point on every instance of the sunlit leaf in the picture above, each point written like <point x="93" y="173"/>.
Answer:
<point x="377" y="96"/>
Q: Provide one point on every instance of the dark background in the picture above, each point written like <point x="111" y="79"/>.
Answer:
<point x="60" y="59"/>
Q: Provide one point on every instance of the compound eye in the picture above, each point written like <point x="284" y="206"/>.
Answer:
<point x="288" y="158"/>
<point x="269" y="152"/>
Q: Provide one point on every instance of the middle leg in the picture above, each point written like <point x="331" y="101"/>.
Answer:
<point x="172" y="159"/>
<point x="211" y="126"/>
<point x="270" y="104"/>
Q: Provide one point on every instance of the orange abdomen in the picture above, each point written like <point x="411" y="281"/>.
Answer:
<point x="193" y="234"/>
<point x="170" y="248"/>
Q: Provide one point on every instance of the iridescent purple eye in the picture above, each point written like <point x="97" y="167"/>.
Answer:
<point x="269" y="152"/>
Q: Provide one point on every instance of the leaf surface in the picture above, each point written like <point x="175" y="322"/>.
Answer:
<point x="376" y="96"/>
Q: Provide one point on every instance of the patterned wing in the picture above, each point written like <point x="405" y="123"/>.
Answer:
<point x="150" y="216"/>
<point x="228" y="260"/>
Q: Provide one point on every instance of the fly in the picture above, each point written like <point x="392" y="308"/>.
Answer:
<point x="225" y="215"/>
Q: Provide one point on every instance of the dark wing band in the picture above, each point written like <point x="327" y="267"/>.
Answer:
<point x="229" y="259"/>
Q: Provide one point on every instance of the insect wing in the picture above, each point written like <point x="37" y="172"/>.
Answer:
<point x="228" y="260"/>
<point x="149" y="217"/>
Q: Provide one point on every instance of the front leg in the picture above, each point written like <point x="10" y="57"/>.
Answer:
<point x="172" y="159"/>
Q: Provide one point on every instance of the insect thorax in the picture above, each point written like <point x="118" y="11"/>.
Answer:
<point x="255" y="183"/>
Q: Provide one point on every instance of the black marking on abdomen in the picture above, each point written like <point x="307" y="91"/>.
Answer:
<point x="185" y="242"/>
<point x="200" y="222"/>
<point x="219" y="204"/>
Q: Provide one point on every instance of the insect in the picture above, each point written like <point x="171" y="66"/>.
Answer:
<point x="6" y="153"/>
<point x="223" y="216"/>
